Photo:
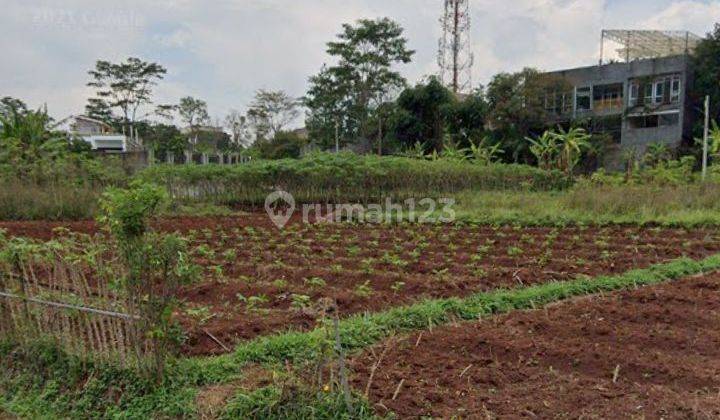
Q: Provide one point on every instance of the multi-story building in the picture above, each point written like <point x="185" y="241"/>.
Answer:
<point x="637" y="103"/>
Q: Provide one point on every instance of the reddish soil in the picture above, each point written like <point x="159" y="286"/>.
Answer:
<point x="259" y="280"/>
<point x="647" y="353"/>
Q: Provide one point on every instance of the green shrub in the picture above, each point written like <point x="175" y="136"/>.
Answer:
<point x="346" y="177"/>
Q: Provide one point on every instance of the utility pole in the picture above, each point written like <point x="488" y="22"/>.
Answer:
<point x="705" y="137"/>
<point x="337" y="136"/>
<point x="380" y="135"/>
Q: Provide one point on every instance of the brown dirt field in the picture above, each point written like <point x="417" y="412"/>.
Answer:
<point x="659" y="343"/>
<point x="258" y="280"/>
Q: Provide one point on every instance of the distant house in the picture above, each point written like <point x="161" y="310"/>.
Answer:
<point x="99" y="134"/>
<point x="302" y="133"/>
<point x="638" y="102"/>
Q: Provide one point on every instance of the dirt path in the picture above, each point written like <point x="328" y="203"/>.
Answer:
<point x="648" y="353"/>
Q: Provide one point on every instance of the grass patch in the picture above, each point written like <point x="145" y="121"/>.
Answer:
<point x="21" y="200"/>
<point x="41" y="382"/>
<point x="687" y="206"/>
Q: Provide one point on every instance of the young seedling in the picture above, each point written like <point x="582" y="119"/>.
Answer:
<point x="364" y="290"/>
<point x="315" y="282"/>
<point x="514" y="251"/>
<point x="299" y="301"/>
<point x="254" y="302"/>
<point x="397" y="286"/>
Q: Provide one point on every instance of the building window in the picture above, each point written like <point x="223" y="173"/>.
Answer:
<point x="648" y="93"/>
<point x="659" y="92"/>
<point x="654" y="121"/>
<point x="582" y="99"/>
<point x="634" y="91"/>
<point x="607" y="97"/>
<point x="675" y="90"/>
<point x="668" y="120"/>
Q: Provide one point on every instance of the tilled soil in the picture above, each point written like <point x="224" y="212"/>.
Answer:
<point x="259" y="280"/>
<point x="648" y="353"/>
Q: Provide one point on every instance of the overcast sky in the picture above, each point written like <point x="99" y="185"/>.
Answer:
<point x="223" y="50"/>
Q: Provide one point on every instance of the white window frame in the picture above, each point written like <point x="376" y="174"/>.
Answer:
<point x="584" y="92"/>
<point x="675" y="89"/>
<point x="658" y="91"/>
<point x="651" y="97"/>
<point x="634" y="93"/>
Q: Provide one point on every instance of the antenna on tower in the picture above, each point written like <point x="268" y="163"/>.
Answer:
<point x="455" y="56"/>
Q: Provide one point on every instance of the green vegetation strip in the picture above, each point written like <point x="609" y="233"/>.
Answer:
<point x="44" y="387"/>
<point x="361" y="331"/>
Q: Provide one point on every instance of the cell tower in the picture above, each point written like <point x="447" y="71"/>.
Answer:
<point x="455" y="56"/>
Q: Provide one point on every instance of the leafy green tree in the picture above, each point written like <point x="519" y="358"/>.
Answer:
<point x="284" y="144"/>
<point x="30" y="143"/>
<point x="329" y="104"/>
<point x="163" y="138"/>
<point x="193" y="112"/>
<point x="516" y="104"/>
<point x="239" y="128"/>
<point x="344" y="95"/>
<point x="126" y="86"/>
<point x="422" y="114"/>
<point x="467" y="118"/>
<point x="271" y="112"/>
<point x="10" y="105"/>
<point x="706" y="65"/>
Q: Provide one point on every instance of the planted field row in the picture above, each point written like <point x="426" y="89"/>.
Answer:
<point x="646" y="353"/>
<point x="259" y="280"/>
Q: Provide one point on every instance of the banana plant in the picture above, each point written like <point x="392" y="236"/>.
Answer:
<point x="451" y="151"/>
<point x="572" y="143"/>
<point x="484" y="153"/>
<point x="545" y="149"/>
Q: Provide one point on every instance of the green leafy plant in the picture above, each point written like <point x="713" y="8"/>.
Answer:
<point x="364" y="290"/>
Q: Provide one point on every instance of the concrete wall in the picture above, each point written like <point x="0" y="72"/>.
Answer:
<point x="638" y="138"/>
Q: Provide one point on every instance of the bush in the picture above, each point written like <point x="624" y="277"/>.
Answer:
<point x="662" y="173"/>
<point x="285" y="145"/>
<point x="346" y="177"/>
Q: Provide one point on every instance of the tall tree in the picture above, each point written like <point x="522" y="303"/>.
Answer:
<point x="466" y="120"/>
<point x="271" y="112"/>
<point x="516" y="104"/>
<point x="239" y="128"/>
<point x="9" y="105"/>
<point x="126" y="86"/>
<point x="422" y="116"/>
<point x="363" y="76"/>
<point x="706" y="65"/>
<point x="328" y="102"/>
<point x="193" y="112"/>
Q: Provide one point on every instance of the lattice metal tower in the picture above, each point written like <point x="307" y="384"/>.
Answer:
<point x="455" y="56"/>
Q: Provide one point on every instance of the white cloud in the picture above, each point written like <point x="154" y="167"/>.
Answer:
<point x="686" y="15"/>
<point x="223" y="50"/>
